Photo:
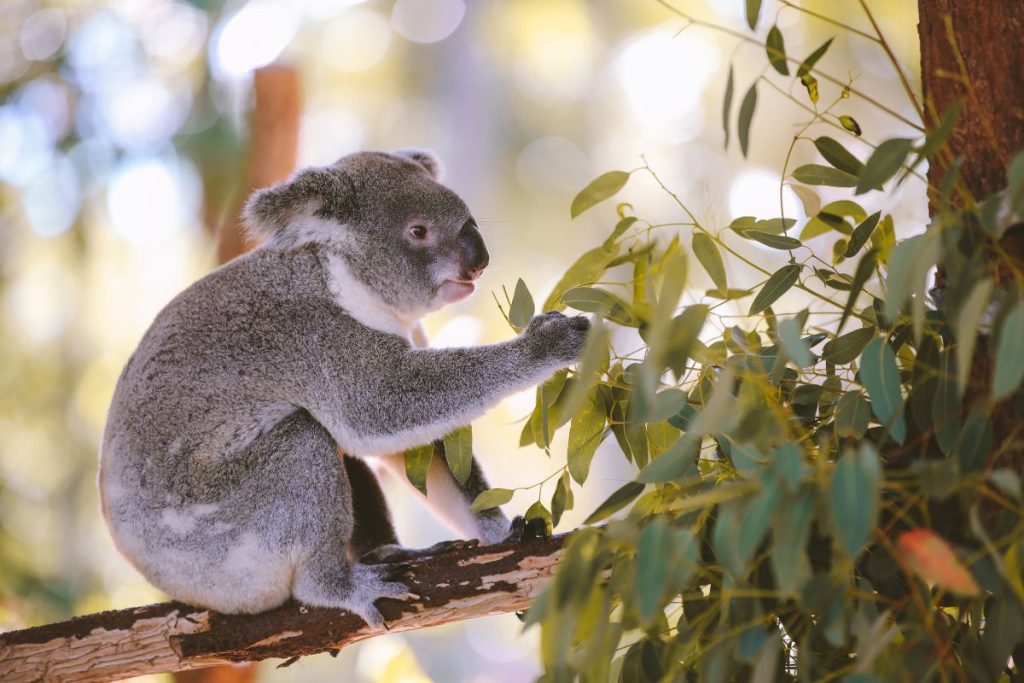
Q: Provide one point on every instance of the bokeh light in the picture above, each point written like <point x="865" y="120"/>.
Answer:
<point x="427" y="21"/>
<point x="252" y="37"/>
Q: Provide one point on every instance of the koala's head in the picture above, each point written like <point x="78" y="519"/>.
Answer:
<point x="405" y="236"/>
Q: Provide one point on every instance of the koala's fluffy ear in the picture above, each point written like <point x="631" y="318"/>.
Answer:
<point x="311" y="191"/>
<point x="425" y="158"/>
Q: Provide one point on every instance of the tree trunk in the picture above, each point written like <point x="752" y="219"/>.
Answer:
<point x="972" y="52"/>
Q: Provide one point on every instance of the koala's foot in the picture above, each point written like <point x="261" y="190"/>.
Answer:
<point x="557" y="336"/>
<point x="355" y="588"/>
<point x="397" y="553"/>
<point x="522" y="529"/>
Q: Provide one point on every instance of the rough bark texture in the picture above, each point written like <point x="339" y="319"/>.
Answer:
<point x="972" y="52"/>
<point x="454" y="586"/>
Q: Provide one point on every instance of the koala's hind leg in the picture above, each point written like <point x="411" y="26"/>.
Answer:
<point x="373" y="525"/>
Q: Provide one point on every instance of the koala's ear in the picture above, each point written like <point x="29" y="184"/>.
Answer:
<point x="269" y="211"/>
<point x="425" y="158"/>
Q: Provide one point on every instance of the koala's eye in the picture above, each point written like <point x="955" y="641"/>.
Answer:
<point x="419" y="231"/>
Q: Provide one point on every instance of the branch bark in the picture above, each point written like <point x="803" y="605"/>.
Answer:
<point x="171" y="636"/>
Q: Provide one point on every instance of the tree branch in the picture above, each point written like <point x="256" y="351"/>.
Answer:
<point x="171" y="636"/>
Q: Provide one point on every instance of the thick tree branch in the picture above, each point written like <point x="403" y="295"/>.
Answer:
<point x="456" y="585"/>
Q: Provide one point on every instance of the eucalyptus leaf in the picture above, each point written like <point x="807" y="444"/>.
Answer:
<point x="850" y="124"/>
<point x="855" y="493"/>
<point x="585" y="270"/>
<point x="458" y="451"/>
<point x="865" y="268"/>
<point x="601" y="188"/>
<point x="812" y="59"/>
<point x="600" y="302"/>
<point x="838" y="156"/>
<point x="791" y="531"/>
<point x="816" y="174"/>
<point x="522" y="308"/>
<point x="881" y="378"/>
<point x="727" y="105"/>
<point x="707" y="253"/>
<point x="417" y="462"/>
<point x="747" y="107"/>
<point x="1009" y="368"/>
<point x="622" y="497"/>
<point x="753" y="11"/>
<point x="883" y="163"/>
<point x="777" y="285"/>
<point x="491" y="498"/>
<point x="794" y="346"/>
<point x="655" y="545"/>
<point x="966" y="329"/>
<point x="586" y="431"/>
<point x="775" y="46"/>
<point x="852" y="415"/>
<point x="773" y="241"/>
<point x="861" y="234"/>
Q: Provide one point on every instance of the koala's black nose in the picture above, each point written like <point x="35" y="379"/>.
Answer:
<point x="472" y="252"/>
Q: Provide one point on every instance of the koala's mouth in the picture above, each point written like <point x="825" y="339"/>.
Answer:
<point x="455" y="290"/>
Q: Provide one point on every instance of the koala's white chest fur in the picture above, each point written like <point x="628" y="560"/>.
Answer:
<point x="364" y="305"/>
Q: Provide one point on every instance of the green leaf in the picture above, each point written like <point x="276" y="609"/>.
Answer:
<point x="809" y="199"/>
<point x="458" y="451"/>
<point x="836" y="154"/>
<point x="728" y="294"/>
<point x="883" y="163"/>
<point x="593" y="361"/>
<point x="775" y="46"/>
<point x="586" y="431"/>
<point x="966" y="330"/>
<point x="753" y="11"/>
<point x="908" y="271"/>
<point x="491" y="498"/>
<point x="855" y="493"/>
<point x="605" y="304"/>
<point x="852" y="415"/>
<point x="710" y="258"/>
<point x="747" y="107"/>
<point x="677" y="461"/>
<point x="861" y="234"/>
<point x="521" y="310"/>
<point x="811" y="83"/>
<point x="538" y="511"/>
<point x="865" y="267"/>
<point x="622" y="497"/>
<point x="773" y="241"/>
<point x="417" y="462"/>
<point x="618" y="231"/>
<point x="1009" y="355"/>
<point x="946" y="410"/>
<point x="585" y="270"/>
<point x="600" y="189"/>
<point x="881" y="377"/>
<point x="1004" y="630"/>
<point x="727" y="106"/>
<point x="795" y="347"/>
<point x="561" y="500"/>
<point x="777" y="285"/>
<point x="812" y="59"/>
<point x="655" y="545"/>
<point x="682" y="336"/>
<point x="816" y="174"/>
<point x="850" y="124"/>
<point x="791" y="531"/>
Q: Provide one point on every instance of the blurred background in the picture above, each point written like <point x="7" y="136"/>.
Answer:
<point x="123" y="148"/>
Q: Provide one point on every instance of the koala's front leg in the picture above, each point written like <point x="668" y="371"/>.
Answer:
<point x="416" y="396"/>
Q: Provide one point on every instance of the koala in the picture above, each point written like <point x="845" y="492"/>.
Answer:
<point x="221" y="473"/>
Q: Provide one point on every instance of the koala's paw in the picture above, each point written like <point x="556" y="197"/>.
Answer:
<point x="522" y="529"/>
<point x="557" y="337"/>
<point x="371" y="582"/>
<point x="398" y="553"/>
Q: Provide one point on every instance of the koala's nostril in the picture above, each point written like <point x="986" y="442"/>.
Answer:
<point x="473" y="257"/>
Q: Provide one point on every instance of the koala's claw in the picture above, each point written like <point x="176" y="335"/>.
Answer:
<point x="373" y="582"/>
<point x="396" y="553"/>
<point x="522" y="529"/>
<point x="554" y="335"/>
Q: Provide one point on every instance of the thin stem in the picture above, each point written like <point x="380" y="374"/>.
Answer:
<point x="895" y="63"/>
<point x="829" y="20"/>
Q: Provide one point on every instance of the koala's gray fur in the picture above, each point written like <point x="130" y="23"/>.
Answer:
<point x="220" y="472"/>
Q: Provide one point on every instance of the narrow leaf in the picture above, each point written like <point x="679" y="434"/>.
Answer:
<point x="855" y="493"/>
<point x="808" y="198"/>
<point x="795" y="347"/>
<point x="852" y="415"/>
<point x="605" y="304"/>
<point x="883" y="163"/>
<point x="655" y="545"/>
<point x="865" y="267"/>
<point x="774" y="241"/>
<point x="491" y="498"/>
<point x="812" y="59"/>
<point x="753" y="11"/>
<point x="601" y="188"/>
<point x="775" y="46"/>
<point x="615" y="502"/>
<point x="816" y="174"/>
<point x="710" y="258"/>
<point x="417" y="462"/>
<point x="586" y="432"/>
<point x="881" y="377"/>
<point x="727" y="106"/>
<point x="458" y="451"/>
<point x="792" y="528"/>
<point x="1009" y="355"/>
<point x="777" y="285"/>
<point x="837" y="155"/>
<point x="967" y="330"/>
<point x="585" y="270"/>
<point x="861" y="234"/>
<point x="747" y="107"/>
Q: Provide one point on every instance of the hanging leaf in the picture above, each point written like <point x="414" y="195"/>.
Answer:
<point x="791" y="531"/>
<point x="491" y="498"/>
<point x="861" y="234"/>
<point x="883" y="163"/>
<point x="727" y="106"/>
<point x="417" y="462"/>
<point x="521" y="310"/>
<point x="908" y="270"/>
<point x="622" y="497"/>
<point x="458" y="451"/>
<point x="812" y="59"/>
<point x="707" y="253"/>
<point x="837" y="155"/>
<point x="795" y="347"/>
<point x="865" y="267"/>
<point x="593" y="361"/>
<point x="881" y="377"/>
<point x="747" y="107"/>
<point x="600" y="189"/>
<point x="855" y="493"/>
<point x="561" y="499"/>
<point x="538" y="511"/>
<point x="945" y="408"/>
<point x="777" y="285"/>
<point x="809" y="199"/>
<point x="929" y="556"/>
<point x="586" y="431"/>
<point x="677" y="461"/>
<point x="618" y="231"/>
<point x="773" y="241"/>
<point x="753" y="11"/>
<point x="852" y="415"/>
<point x="728" y="294"/>
<point x="966" y="330"/>
<point x="816" y="174"/>
<point x="850" y="124"/>
<point x="1009" y="360"/>
<point x="776" y="49"/>
<point x="811" y="84"/>
<point x="655" y="545"/>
